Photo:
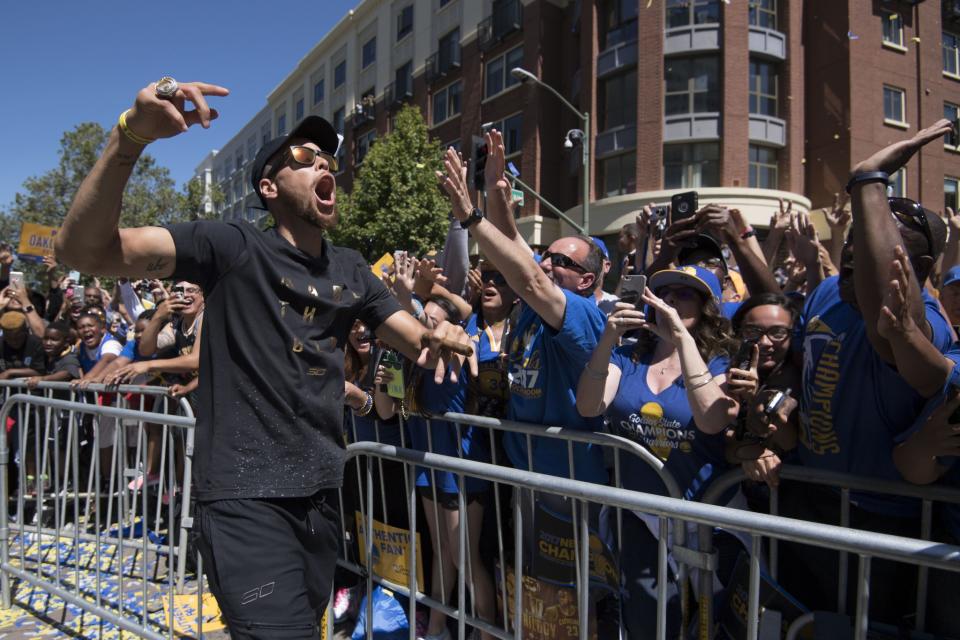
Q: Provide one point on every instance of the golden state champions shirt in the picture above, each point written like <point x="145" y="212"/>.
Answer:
<point x="663" y="423"/>
<point x="270" y="402"/>
<point x="853" y="404"/>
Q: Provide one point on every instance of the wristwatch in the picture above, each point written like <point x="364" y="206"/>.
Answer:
<point x="28" y="309"/>
<point x="475" y="216"/>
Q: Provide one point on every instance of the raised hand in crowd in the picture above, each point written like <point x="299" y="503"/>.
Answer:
<point x="838" y="218"/>
<point x="772" y="433"/>
<point x="743" y="384"/>
<point x="918" y="457"/>
<point x="779" y="223"/>
<point x="951" y="253"/>
<point x="917" y="360"/>
<point x="406" y="275"/>
<point x="804" y="245"/>
<point x="430" y="272"/>
<point x="170" y="307"/>
<point x="474" y="285"/>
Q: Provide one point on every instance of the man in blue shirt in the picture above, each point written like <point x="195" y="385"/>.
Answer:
<point x="854" y="402"/>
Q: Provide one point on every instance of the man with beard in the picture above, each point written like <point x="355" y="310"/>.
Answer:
<point x="854" y="402"/>
<point x="269" y="450"/>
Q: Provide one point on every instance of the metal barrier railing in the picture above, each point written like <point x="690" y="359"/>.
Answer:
<point x="867" y="545"/>
<point x="75" y="503"/>
<point x="926" y="494"/>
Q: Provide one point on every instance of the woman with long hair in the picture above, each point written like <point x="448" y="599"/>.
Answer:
<point x="668" y="393"/>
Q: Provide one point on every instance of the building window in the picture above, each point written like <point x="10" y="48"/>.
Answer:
<point x="282" y="124"/>
<point x="318" y="91"/>
<point x="618" y="22"/>
<point x="498" y="71"/>
<point x="251" y="148"/>
<point x="453" y="144"/>
<point x="364" y="143"/>
<point x="763" y="168"/>
<point x="894" y="110"/>
<point x="264" y="133"/>
<point x="683" y="13"/>
<point x="952" y="140"/>
<point x="951" y="63"/>
<point x="763" y="88"/>
<point x="892" y="28"/>
<point x="690" y="166"/>
<point x="618" y="174"/>
<point x="368" y="55"/>
<point x="448" y="51"/>
<point x="898" y="184"/>
<point x="299" y="110"/>
<point x="763" y="13"/>
<point x="693" y="85"/>
<point x="238" y="160"/>
<point x="404" y="22"/>
<point x="618" y="101"/>
<point x="403" y="80"/>
<point x="950" y="193"/>
<point x="446" y="102"/>
<point x="510" y="128"/>
<point x="340" y="74"/>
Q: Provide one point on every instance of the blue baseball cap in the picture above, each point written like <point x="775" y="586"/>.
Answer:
<point x="691" y="276"/>
<point x="951" y="276"/>
<point x="603" y="246"/>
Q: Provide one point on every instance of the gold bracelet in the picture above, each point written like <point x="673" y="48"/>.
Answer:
<point x="700" y="375"/>
<point x="701" y="384"/>
<point x="122" y="123"/>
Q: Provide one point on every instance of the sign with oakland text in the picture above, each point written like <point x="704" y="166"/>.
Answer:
<point x="36" y="240"/>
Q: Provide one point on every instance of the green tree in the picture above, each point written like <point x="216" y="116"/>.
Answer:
<point x="199" y="202"/>
<point x="395" y="203"/>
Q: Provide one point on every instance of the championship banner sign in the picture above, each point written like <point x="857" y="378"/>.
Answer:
<point x="391" y="548"/>
<point x="36" y="240"/>
<point x="550" y="612"/>
<point x="555" y="559"/>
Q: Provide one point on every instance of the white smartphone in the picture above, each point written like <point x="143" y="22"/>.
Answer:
<point x="16" y="279"/>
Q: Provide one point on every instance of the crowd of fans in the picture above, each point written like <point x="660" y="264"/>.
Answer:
<point x="837" y="354"/>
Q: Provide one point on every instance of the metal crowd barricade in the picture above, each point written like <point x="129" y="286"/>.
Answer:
<point x="867" y="545"/>
<point x="76" y="499"/>
<point x="845" y="483"/>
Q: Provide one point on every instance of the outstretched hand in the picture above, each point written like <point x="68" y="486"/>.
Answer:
<point x="447" y="345"/>
<point x="153" y="117"/>
<point x="896" y="314"/>
<point x="493" y="170"/>
<point x="453" y="180"/>
<point x="892" y="157"/>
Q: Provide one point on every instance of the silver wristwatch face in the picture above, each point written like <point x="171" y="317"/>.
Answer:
<point x="166" y="87"/>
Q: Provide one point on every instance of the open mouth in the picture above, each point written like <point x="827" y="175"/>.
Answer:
<point x="326" y="190"/>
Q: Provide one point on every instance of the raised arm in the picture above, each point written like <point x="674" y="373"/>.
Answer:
<point x="499" y="194"/>
<point x="90" y="239"/>
<point x="838" y="219"/>
<point x="511" y="258"/>
<point x="876" y="235"/>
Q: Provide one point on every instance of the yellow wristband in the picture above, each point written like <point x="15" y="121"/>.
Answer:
<point x="122" y="123"/>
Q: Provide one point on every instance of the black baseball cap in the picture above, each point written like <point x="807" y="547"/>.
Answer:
<point x="707" y="244"/>
<point x="312" y="128"/>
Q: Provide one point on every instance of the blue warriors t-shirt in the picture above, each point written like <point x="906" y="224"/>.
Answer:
<point x="663" y="423"/>
<point x="544" y="368"/>
<point x="853" y="404"/>
<point x="490" y="386"/>
<point x="472" y="443"/>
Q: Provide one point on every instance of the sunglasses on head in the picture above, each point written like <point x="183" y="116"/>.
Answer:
<point x="494" y="277"/>
<point x="561" y="260"/>
<point x="911" y="213"/>
<point x="307" y="156"/>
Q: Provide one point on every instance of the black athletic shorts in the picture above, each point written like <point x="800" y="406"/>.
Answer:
<point x="270" y="563"/>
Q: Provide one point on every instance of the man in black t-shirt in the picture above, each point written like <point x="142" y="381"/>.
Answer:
<point x="269" y="455"/>
<point x="22" y="353"/>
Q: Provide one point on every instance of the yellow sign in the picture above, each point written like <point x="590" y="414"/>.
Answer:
<point x="382" y="265"/>
<point x="391" y="548"/>
<point x="36" y="239"/>
<point x="185" y="615"/>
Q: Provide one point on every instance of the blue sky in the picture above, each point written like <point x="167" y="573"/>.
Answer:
<point x="66" y="62"/>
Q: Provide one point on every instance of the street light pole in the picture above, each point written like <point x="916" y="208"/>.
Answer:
<point x="523" y="75"/>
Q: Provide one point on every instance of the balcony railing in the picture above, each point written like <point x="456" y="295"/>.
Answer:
<point x="507" y="18"/>
<point x="396" y="94"/>
<point x="365" y="111"/>
<point x="442" y="61"/>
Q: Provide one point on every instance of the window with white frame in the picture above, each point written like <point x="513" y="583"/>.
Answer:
<point x="298" y="109"/>
<point x="894" y="105"/>
<point x="282" y="124"/>
<point x="368" y="55"/>
<point x="446" y="102"/>
<point x="364" y="142"/>
<point x="238" y="160"/>
<point x="950" y="186"/>
<point x="952" y="140"/>
<point x="692" y="85"/>
<point x="898" y="184"/>
<point x="689" y="166"/>
<point x="340" y="74"/>
<point x="498" y="76"/>
<point x="892" y="28"/>
<point x="763" y="13"/>
<point x="251" y="148"/>
<point x="763" y="88"/>
<point x="951" y="60"/>
<point x="264" y="133"/>
<point x="764" y="170"/>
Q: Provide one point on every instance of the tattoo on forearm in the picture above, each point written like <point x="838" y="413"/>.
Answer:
<point x="157" y="265"/>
